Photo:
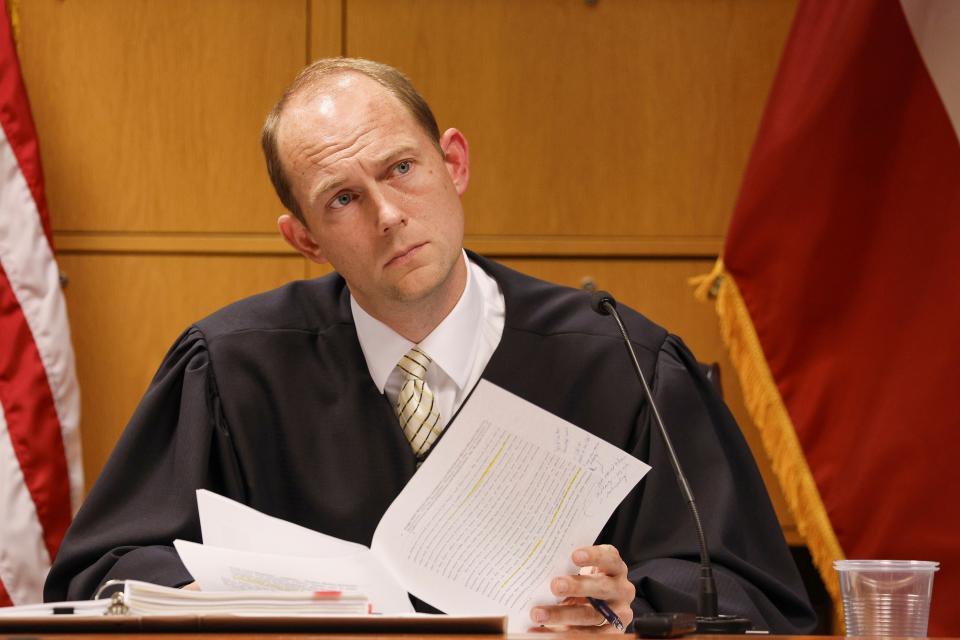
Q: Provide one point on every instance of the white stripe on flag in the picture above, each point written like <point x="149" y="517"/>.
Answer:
<point x="935" y="25"/>
<point x="24" y="561"/>
<point x="32" y="271"/>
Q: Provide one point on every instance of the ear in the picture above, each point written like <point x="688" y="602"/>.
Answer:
<point x="300" y="238"/>
<point x="456" y="155"/>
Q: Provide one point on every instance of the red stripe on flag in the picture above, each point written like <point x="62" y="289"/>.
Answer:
<point x="5" y="600"/>
<point x="17" y="122"/>
<point x="32" y="419"/>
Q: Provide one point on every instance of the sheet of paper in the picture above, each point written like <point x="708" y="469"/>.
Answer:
<point x="219" y="569"/>
<point x="498" y="507"/>
<point x="78" y="607"/>
<point x="231" y="525"/>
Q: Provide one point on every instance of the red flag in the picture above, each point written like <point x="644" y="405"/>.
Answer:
<point x="40" y="468"/>
<point x="840" y="298"/>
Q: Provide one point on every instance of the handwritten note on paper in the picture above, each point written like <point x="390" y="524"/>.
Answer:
<point x="498" y="507"/>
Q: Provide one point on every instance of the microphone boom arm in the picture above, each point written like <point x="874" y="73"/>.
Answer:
<point x="709" y="619"/>
<point x="707" y="602"/>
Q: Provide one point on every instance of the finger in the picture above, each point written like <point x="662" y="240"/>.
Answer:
<point x="580" y="617"/>
<point x="607" y="628"/>
<point x="569" y="614"/>
<point x="594" y="586"/>
<point x="604" y="557"/>
<point x="559" y="629"/>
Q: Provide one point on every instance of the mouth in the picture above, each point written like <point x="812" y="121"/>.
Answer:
<point x="405" y="255"/>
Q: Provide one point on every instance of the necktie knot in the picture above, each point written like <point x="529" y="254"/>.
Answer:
<point x="415" y="363"/>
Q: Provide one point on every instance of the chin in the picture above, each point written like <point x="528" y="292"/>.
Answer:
<point x="408" y="292"/>
<point x="427" y="279"/>
<point x="419" y="285"/>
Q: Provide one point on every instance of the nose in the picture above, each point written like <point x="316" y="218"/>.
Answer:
<point x="388" y="213"/>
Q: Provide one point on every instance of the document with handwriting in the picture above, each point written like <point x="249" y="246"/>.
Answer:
<point x="497" y="509"/>
<point x="491" y="516"/>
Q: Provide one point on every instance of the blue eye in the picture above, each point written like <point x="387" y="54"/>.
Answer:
<point x="341" y="200"/>
<point x="404" y="167"/>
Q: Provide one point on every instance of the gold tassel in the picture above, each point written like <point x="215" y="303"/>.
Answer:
<point x="707" y="286"/>
<point x="13" y="12"/>
<point x="777" y="432"/>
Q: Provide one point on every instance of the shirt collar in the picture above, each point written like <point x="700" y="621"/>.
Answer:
<point x="450" y="345"/>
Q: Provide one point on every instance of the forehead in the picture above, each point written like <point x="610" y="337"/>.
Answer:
<point x="346" y="111"/>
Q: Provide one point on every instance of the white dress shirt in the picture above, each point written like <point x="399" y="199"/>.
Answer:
<point x="460" y="346"/>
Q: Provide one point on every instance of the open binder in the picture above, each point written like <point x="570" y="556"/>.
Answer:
<point x="144" y="607"/>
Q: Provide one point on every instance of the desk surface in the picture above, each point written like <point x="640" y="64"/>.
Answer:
<point x="300" y="636"/>
<point x="383" y="636"/>
<point x="359" y="636"/>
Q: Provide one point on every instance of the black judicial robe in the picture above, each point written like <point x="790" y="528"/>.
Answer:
<point x="269" y="402"/>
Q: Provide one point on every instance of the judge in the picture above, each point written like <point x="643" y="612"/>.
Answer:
<point x="315" y="402"/>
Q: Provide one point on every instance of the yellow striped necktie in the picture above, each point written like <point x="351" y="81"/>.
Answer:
<point x="416" y="405"/>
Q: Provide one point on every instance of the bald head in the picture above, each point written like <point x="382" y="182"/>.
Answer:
<point x="311" y="84"/>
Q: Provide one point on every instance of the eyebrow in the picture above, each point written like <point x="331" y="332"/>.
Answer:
<point x="335" y="181"/>
<point x="326" y="185"/>
<point x="402" y="150"/>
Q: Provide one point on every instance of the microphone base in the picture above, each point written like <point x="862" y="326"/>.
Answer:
<point x="726" y="625"/>
<point x="664" y="625"/>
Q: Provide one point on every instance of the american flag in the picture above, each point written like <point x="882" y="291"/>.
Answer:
<point x="41" y="478"/>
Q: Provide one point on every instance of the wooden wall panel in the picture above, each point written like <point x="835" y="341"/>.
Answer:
<point x="326" y="29"/>
<point x="615" y="118"/>
<point x="149" y="112"/>
<point x="125" y="313"/>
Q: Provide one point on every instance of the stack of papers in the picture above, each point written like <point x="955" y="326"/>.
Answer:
<point x="245" y="550"/>
<point x="144" y="598"/>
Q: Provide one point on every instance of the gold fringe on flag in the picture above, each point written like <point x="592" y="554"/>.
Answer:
<point x="13" y="13"/>
<point x="766" y="407"/>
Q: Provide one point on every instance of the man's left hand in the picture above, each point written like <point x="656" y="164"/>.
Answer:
<point x="603" y="575"/>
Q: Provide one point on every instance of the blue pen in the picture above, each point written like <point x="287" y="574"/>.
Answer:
<point x="606" y="612"/>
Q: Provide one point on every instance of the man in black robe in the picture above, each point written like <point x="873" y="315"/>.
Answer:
<point x="271" y="400"/>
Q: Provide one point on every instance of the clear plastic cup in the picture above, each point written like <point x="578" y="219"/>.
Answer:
<point x="886" y="597"/>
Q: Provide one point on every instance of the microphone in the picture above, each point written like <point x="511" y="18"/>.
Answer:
<point x="708" y="619"/>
